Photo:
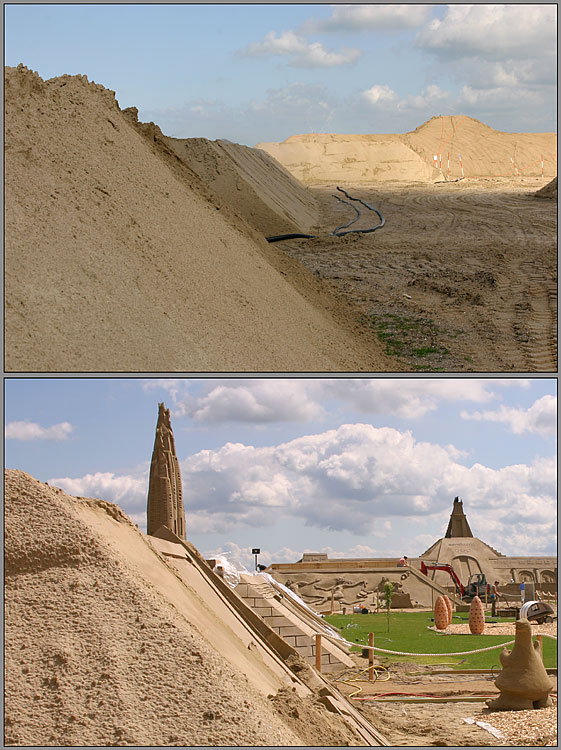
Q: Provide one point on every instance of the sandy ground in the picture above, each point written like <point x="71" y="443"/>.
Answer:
<point x="462" y="278"/>
<point x="104" y="645"/>
<point x="441" y="724"/>
<point x="118" y="258"/>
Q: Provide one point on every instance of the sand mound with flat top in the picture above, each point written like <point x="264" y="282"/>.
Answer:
<point x="459" y="142"/>
<point x="104" y="644"/>
<point x="119" y="258"/>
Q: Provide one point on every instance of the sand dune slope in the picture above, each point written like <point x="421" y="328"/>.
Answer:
<point x="104" y="645"/>
<point x="360" y="159"/>
<point x="116" y="261"/>
<point x="252" y="183"/>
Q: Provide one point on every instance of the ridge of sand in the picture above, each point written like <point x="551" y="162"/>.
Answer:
<point x="360" y="159"/>
<point x="104" y="646"/>
<point x="252" y="183"/>
<point x="549" y="190"/>
<point x="116" y="261"/>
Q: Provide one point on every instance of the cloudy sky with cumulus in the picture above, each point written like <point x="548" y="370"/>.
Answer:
<point x="264" y="72"/>
<point x="351" y="467"/>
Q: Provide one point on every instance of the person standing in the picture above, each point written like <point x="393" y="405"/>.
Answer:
<point x="495" y="593"/>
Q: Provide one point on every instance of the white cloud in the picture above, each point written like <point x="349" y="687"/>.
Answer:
<point x="380" y="93"/>
<point x="255" y="401"/>
<point x="130" y="492"/>
<point x="303" y="54"/>
<point x="26" y="430"/>
<point x="360" y="17"/>
<point x="262" y="400"/>
<point x="353" y="479"/>
<point x="492" y="32"/>
<point x="429" y="97"/>
<point x="540" y="418"/>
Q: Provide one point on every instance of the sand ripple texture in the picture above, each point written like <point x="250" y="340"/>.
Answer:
<point x="118" y="257"/>
<point x="96" y="655"/>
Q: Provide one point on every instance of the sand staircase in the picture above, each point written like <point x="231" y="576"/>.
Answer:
<point x="293" y="621"/>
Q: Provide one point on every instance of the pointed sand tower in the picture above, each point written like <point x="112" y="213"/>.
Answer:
<point x="165" y="494"/>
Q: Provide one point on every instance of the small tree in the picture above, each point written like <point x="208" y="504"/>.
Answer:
<point x="388" y="592"/>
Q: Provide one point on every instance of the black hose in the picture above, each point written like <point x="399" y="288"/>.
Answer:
<point x="336" y="232"/>
<point x="279" y="237"/>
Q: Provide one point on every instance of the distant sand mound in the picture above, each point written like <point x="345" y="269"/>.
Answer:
<point x="104" y="645"/>
<point x="256" y="186"/>
<point x="349" y="159"/>
<point x="118" y="258"/>
<point x="549" y="190"/>
<point x="458" y="142"/>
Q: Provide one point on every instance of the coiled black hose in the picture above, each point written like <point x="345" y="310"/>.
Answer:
<point x="337" y="232"/>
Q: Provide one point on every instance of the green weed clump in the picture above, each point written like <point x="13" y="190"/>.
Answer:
<point x="410" y="633"/>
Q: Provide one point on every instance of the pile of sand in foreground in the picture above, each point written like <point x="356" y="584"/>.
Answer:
<point x="549" y="190"/>
<point x="117" y="260"/>
<point x="97" y="655"/>
<point x="470" y="145"/>
<point x="255" y="185"/>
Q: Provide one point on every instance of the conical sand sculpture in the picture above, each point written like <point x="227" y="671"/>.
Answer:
<point x="165" y="494"/>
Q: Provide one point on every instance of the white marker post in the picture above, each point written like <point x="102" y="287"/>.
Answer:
<point x="542" y="167"/>
<point x="448" y="165"/>
<point x="436" y="161"/>
<point x="461" y="164"/>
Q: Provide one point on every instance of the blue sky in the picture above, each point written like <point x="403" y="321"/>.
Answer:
<point x="264" y="72"/>
<point x="352" y="467"/>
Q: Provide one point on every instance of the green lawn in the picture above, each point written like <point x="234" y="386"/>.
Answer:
<point x="409" y="632"/>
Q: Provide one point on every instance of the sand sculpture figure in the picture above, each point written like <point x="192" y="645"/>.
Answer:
<point x="165" y="494"/>
<point x="523" y="681"/>
<point x="337" y="592"/>
<point x="295" y="585"/>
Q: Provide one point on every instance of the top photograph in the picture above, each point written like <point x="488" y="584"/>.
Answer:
<point x="305" y="188"/>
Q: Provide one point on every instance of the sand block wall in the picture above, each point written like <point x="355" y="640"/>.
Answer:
<point x="254" y="184"/>
<point x="459" y="142"/>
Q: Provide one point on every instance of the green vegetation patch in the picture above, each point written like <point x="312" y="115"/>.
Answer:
<point x="409" y="632"/>
<point x="407" y="337"/>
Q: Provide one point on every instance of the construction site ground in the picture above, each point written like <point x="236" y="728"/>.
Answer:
<point x="462" y="277"/>
<point x="420" y="724"/>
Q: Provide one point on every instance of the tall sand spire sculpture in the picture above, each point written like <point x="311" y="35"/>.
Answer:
<point x="165" y="494"/>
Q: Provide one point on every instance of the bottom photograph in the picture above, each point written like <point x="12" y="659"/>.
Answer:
<point x="280" y="561"/>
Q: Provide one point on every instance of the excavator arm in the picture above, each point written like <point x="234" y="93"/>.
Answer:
<point x="447" y="568"/>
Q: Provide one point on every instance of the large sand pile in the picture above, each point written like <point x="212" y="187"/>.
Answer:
<point x="356" y="159"/>
<point x="104" y="645"/>
<point x="118" y="259"/>
<point x="256" y="186"/>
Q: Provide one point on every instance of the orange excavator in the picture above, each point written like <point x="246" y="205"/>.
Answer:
<point x="476" y="586"/>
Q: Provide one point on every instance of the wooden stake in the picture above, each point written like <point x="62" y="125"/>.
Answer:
<point x="371" y="657"/>
<point x="318" y="652"/>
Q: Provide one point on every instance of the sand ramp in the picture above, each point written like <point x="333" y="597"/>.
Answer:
<point x="118" y="257"/>
<point x="250" y="181"/>
<point x="106" y="643"/>
<point x="459" y="143"/>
